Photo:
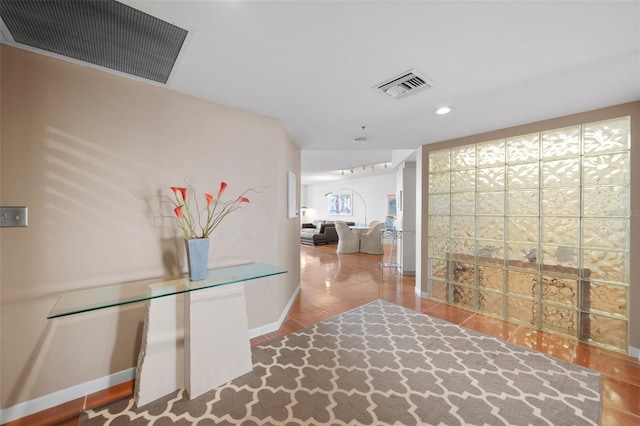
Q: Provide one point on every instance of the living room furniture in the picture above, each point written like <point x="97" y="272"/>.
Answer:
<point x="391" y="261"/>
<point x="319" y="232"/>
<point x="216" y="333"/>
<point x="371" y="241"/>
<point x="348" y="241"/>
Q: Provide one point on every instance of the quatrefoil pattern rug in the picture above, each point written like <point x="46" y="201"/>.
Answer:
<point x="383" y="364"/>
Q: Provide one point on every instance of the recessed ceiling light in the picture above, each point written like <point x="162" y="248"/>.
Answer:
<point x="444" y="110"/>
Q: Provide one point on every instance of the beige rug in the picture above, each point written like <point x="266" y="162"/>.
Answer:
<point x="383" y="364"/>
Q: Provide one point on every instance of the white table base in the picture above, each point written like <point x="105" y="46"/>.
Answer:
<point x="216" y="343"/>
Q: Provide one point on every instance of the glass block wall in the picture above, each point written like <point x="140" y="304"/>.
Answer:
<point x="535" y="229"/>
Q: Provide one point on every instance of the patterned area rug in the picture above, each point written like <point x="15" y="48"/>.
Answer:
<point x="383" y="364"/>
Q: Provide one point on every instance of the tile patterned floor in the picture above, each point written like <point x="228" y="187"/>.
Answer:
<point x="334" y="283"/>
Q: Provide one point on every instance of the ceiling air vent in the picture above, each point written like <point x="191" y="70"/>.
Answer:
<point x="404" y="84"/>
<point x="106" y="33"/>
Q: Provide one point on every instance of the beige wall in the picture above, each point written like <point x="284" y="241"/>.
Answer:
<point x="85" y="150"/>
<point x="631" y="109"/>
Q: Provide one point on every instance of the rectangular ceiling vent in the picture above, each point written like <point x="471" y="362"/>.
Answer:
<point x="106" y="33"/>
<point x="404" y="84"/>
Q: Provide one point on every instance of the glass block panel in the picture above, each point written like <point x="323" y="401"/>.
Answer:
<point x="463" y="296"/>
<point x="439" y="290"/>
<point x="606" y="169"/>
<point x="463" y="157"/>
<point x="561" y="202"/>
<point x="605" y="330"/>
<point x="490" y="228"/>
<point x="523" y="148"/>
<point x="491" y="153"/>
<point x="490" y="203"/>
<point x="491" y="252"/>
<point x="561" y="230"/>
<point x="464" y="273"/>
<point x="523" y="203"/>
<point x="439" y="183"/>
<point x="463" y="249"/>
<point x="605" y="298"/>
<point x="439" y="161"/>
<point x="490" y="302"/>
<point x="492" y="278"/>
<point x="522" y="255"/>
<point x="439" y="247"/>
<point x="562" y="223"/>
<point x="561" y="172"/>
<point x="463" y="180"/>
<point x="561" y="143"/>
<point x="490" y="179"/>
<point x="439" y="226"/>
<point x="523" y="175"/>
<point x="439" y="204"/>
<point x="464" y="203"/>
<point x="521" y="310"/>
<point x="606" y="201"/>
<point x="560" y="320"/>
<point x="606" y="233"/>
<point x="523" y="229"/>
<point x="522" y="283"/>
<point x="560" y="260"/>
<point x="607" y="136"/>
<point x="560" y="290"/>
<point x="463" y="226"/>
<point x="606" y="265"/>
<point x="438" y="268"/>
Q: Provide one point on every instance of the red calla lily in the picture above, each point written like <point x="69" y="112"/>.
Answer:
<point x="209" y="198"/>
<point x="178" y="212"/>
<point x="216" y="211"/>
<point x="223" y="186"/>
<point x="180" y="190"/>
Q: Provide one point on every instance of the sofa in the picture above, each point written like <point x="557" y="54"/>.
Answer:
<point x="319" y="232"/>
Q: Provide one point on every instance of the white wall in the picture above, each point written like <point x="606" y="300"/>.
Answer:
<point x="374" y="191"/>
<point x="87" y="151"/>
<point x="406" y="222"/>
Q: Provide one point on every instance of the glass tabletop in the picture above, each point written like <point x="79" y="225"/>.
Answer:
<point x="74" y="302"/>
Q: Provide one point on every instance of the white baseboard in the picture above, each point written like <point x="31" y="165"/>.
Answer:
<point x="268" y="328"/>
<point x="60" y="397"/>
<point x="422" y="294"/>
<point x="634" y="352"/>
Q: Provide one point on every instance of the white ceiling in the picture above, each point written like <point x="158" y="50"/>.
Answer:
<point x="312" y="65"/>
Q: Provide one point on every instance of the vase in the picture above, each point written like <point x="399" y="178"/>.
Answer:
<point x="197" y="258"/>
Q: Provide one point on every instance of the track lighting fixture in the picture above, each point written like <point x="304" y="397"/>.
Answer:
<point x="365" y="167"/>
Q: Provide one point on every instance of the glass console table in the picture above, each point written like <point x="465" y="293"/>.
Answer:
<point x="215" y="331"/>
<point x="75" y="302"/>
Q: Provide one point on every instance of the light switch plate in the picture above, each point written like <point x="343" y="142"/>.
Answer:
<point x="13" y="217"/>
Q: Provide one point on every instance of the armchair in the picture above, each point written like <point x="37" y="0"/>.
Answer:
<point x="371" y="241"/>
<point x="348" y="241"/>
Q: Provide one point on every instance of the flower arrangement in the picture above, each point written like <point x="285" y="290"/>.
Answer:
<point x="216" y="211"/>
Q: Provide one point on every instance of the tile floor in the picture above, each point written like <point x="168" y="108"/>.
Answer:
<point x="334" y="283"/>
